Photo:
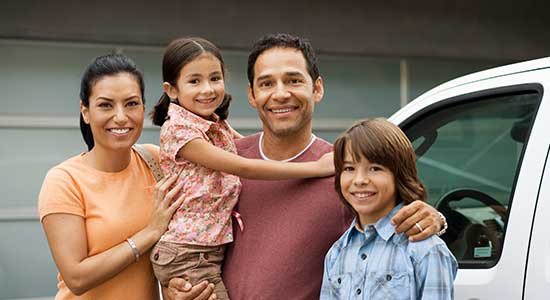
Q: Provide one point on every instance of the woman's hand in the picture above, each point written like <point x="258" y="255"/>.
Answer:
<point x="179" y="289"/>
<point x="420" y="212"/>
<point x="163" y="205"/>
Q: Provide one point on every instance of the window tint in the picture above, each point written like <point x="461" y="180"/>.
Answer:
<point x="468" y="156"/>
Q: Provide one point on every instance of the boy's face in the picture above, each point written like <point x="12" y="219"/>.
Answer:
<point x="283" y="92"/>
<point x="368" y="187"/>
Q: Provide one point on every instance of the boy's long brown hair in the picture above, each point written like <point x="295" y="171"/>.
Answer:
<point x="381" y="142"/>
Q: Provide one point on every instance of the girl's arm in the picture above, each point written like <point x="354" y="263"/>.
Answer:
<point x="66" y="234"/>
<point x="205" y="154"/>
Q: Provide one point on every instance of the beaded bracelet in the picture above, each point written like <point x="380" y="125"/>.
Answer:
<point x="445" y="225"/>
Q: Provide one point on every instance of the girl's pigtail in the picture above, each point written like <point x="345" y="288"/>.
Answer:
<point x="160" y="111"/>
<point x="223" y="110"/>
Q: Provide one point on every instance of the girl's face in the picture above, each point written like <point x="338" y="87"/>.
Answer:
<point x="115" y="112"/>
<point x="368" y="187"/>
<point x="200" y="88"/>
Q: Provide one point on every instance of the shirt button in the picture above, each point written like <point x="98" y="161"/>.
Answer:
<point x="388" y="277"/>
<point x="358" y="292"/>
<point x="363" y="256"/>
<point x="156" y="257"/>
<point x="339" y="280"/>
<point x="205" y="256"/>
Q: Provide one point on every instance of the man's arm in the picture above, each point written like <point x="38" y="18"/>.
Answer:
<point x="427" y="217"/>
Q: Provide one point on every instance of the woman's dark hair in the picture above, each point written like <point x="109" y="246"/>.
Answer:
<point x="179" y="53"/>
<point x="106" y="65"/>
<point x="381" y="142"/>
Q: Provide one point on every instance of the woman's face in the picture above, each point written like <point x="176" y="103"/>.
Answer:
<point x="115" y="112"/>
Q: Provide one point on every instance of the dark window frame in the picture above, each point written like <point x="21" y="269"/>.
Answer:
<point x="476" y="97"/>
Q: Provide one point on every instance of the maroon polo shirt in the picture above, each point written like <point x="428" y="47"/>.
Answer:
<point x="289" y="227"/>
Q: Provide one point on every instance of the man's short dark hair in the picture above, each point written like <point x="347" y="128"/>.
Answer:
<point x="283" y="40"/>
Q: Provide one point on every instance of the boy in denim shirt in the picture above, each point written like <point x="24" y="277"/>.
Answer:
<point x="375" y="176"/>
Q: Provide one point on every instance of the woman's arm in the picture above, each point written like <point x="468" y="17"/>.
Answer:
<point x="66" y="234"/>
<point x="205" y="154"/>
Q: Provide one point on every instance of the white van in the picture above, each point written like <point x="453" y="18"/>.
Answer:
<point x="483" y="144"/>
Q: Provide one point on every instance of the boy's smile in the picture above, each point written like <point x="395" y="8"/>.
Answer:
<point x="368" y="187"/>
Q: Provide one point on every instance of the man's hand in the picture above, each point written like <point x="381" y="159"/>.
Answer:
<point x="420" y="212"/>
<point x="180" y="289"/>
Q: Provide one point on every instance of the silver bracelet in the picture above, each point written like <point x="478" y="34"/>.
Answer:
<point x="134" y="248"/>
<point x="445" y="225"/>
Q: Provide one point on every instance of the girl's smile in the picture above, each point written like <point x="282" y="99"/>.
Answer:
<point x="200" y="87"/>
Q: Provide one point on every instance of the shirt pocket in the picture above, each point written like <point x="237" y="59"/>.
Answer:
<point x="388" y="285"/>
<point x="340" y="286"/>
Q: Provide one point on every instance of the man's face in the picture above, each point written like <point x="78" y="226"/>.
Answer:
<point x="283" y="92"/>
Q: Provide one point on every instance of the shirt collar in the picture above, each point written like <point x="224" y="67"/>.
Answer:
<point x="382" y="228"/>
<point x="177" y="113"/>
<point x="264" y="157"/>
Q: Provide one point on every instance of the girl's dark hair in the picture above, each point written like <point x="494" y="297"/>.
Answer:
<point x="381" y="142"/>
<point x="179" y="53"/>
<point x="106" y="65"/>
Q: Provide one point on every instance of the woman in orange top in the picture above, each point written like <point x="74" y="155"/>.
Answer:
<point x="102" y="210"/>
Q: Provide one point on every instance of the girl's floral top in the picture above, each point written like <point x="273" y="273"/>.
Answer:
<point x="204" y="218"/>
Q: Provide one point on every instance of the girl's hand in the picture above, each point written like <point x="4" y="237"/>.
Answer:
<point x="164" y="206"/>
<point x="326" y="164"/>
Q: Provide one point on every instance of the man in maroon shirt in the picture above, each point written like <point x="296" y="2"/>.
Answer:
<point x="291" y="224"/>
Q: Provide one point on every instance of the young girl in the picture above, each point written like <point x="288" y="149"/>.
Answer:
<point x="197" y="144"/>
<point x="375" y="176"/>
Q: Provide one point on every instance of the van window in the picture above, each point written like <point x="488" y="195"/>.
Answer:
<point x="468" y="155"/>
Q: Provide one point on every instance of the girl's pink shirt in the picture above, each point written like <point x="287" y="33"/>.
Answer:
<point x="204" y="218"/>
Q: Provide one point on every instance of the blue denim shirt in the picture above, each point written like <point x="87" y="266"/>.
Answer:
<point x="380" y="264"/>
